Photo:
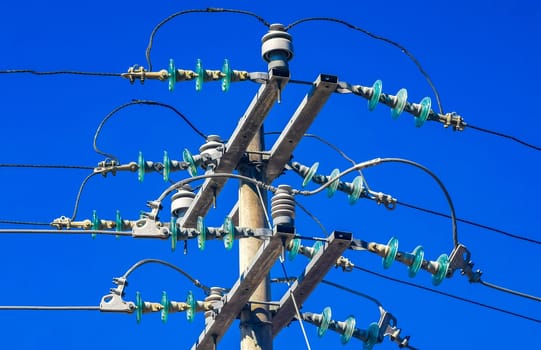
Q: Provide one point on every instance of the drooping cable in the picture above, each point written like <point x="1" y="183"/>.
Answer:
<point x="378" y="161"/>
<point x="78" y="198"/>
<point x="313" y="217"/>
<point x="509" y="291"/>
<point x="140" y="263"/>
<point x="60" y="72"/>
<point x="139" y="102"/>
<point x="352" y="291"/>
<point x="184" y="12"/>
<point x="509" y="137"/>
<point x="412" y="206"/>
<point x="381" y="38"/>
<point x="449" y="295"/>
<point x="469" y="222"/>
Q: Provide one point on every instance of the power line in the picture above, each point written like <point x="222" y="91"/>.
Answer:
<point x="49" y="308"/>
<point x="412" y="206"/>
<point x="66" y="232"/>
<point x="524" y="143"/>
<point x="60" y="72"/>
<point x="139" y="102"/>
<point x="509" y="291"/>
<point x="46" y="166"/>
<point x="352" y="291"/>
<point x="29" y="223"/>
<point x="449" y="295"/>
<point x="469" y="222"/>
<point x="78" y="198"/>
<point x="184" y="12"/>
<point x="377" y="37"/>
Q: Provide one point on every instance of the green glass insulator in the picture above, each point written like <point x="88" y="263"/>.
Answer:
<point x="188" y="158"/>
<point x="200" y="75"/>
<point x="172" y="75"/>
<point x="316" y="248"/>
<point x="348" y="330"/>
<point x="325" y="321"/>
<point x="426" y="105"/>
<point x="165" y="307"/>
<point x="392" y="249"/>
<point x="372" y="334"/>
<point x="95" y="223"/>
<point x="310" y="174"/>
<point x="418" y="256"/>
<point x="174" y="233"/>
<point x="376" y="93"/>
<point x="139" y="306"/>
<point x="141" y="167"/>
<point x="295" y="246"/>
<point x="226" y="79"/>
<point x="401" y="98"/>
<point x="166" y="166"/>
<point x="202" y="230"/>
<point x="443" y="267"/>
<point x="229" y="237"/>
<point x="357" y="190"/>
<point x="192" y="307"/>
<point x="331" y="189"/>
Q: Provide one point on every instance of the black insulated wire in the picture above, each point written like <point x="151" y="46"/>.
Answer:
<point x="449" y="295"/>
<point x="78" y="198"/>
<point x="184" y="12"/>
<point x="46" y="166"/>
<point x="60" y="72"/>
<point x="381" y="38"/>
<point x="509" y="137"/>
<point x="139" y="102"/>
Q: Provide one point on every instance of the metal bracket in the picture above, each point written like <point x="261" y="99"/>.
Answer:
<point x="387" y="327"/>
<point x="149" y="228"/>
<point x="65" y="222"/>
<point x="113" y="301"/>
<point x="460" y="260"/>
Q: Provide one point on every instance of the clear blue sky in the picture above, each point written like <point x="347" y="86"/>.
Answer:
<point x="481" y="55"/>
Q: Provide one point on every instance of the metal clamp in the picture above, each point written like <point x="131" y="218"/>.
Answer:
<point x="460" y="260"/>
<point x="64" y="222"/>
<point x="113" y="301"/>
<point x="387" y="327"/>
<point x="149" y="228"/>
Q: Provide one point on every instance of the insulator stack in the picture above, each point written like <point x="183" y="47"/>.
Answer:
<point x="283" y="207"/>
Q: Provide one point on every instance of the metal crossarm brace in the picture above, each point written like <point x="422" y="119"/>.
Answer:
<point x="305" y="114"/>
<point x="312" y="275"/>
<point x="241" y="292"/>
<point x="247" y="127"/>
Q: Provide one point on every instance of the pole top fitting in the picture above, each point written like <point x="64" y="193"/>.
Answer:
<point x="277" y="47"/>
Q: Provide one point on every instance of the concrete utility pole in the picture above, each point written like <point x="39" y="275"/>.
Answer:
<point x="255" y="320"/>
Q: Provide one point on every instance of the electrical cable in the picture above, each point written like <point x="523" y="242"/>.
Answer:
<point x="49" y="308"/>
<point x="29" y="223"/>
<point x="411" y="206"/>
<point x="299" y="317"/>
<point x="184" y="12"/>
<point x="349" y="290"/>
<point x="140" y="263"/>
<point x="381" y="38"/>
<point x="67" y="72"/>
<point x="524" y="143"/>
<point x="510" y="291"/>
<point x="47" y="166"/>
<point x="469" y="222"/>
<point x="449" y="295"/>
<point x="378" y="161"/>
<point x="140" y="102"/>
<point x="67" y="232"/>
<point x="78" y="198"/>
<point x="313" y="217"/>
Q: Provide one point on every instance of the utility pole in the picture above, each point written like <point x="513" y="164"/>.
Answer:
<point x="255" y="320"/>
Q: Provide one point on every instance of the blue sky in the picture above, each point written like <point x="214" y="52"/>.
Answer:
<point x="481" y="56"/>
